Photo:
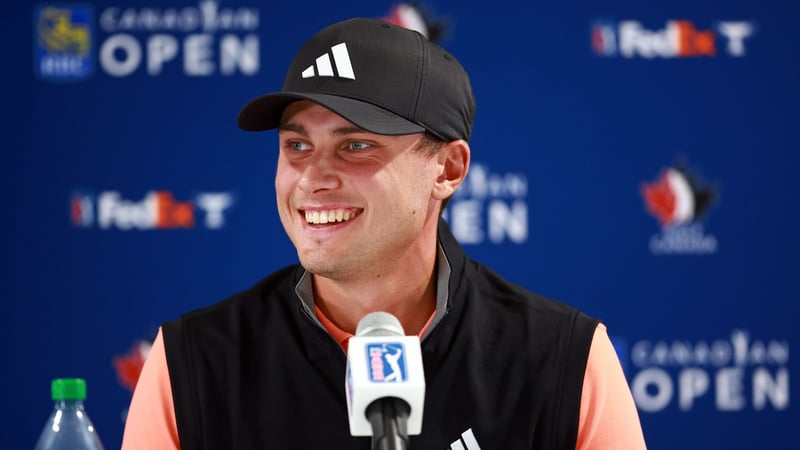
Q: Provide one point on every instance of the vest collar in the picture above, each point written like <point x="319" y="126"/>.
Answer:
<point x="450" y="267"/>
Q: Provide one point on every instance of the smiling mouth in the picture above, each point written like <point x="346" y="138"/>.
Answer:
<point x="330" y="216"/>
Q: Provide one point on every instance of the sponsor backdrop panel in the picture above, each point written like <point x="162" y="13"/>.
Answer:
<point x="632" y="160"/>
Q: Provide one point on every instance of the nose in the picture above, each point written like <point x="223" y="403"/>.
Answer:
<point x="319" y="174"/>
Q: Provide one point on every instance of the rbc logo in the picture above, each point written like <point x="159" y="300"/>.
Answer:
<point x="63" y="42"/>
<point x="387" y="362"/>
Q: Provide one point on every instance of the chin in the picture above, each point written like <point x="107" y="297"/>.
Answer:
<point x="318" y="264"/>
<point x="326" y="268"/>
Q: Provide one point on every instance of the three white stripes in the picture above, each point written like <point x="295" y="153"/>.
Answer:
<point x="324" y="67"/>
<point x="469" y="442"/>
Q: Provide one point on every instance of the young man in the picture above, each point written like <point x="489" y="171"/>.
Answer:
<point x="374" y="123"/>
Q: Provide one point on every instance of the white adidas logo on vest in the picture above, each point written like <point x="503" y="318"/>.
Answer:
<point x="467" y="442"/>
<point x="324" y="68"/>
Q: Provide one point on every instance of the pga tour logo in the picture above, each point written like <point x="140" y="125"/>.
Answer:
<point x="387" y="362"/>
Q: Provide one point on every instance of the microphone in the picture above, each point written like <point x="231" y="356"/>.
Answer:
<point x="385" y="382"/>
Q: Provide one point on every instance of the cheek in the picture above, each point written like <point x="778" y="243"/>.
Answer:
<point x="283" y="199"/>
<point x="285" y="179"/>
<point x="285" y="182"/>
<point x="424" y="176"/>
<point x="417" y="183"/>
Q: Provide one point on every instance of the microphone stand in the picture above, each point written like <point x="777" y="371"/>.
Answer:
<point x="388" y="417"/>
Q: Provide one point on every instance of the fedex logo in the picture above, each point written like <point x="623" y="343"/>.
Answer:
<point x="157" y="210"/>
<point x="387" y="362"/>
<point x="678" y="39"/>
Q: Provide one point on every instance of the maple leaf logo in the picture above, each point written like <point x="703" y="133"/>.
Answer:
<point x="676" y="197"/>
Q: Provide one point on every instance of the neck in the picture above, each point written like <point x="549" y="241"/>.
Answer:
<point x="346" y="307"/>
<point x="405" y="288"/>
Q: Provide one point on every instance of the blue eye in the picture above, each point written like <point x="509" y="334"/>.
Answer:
<point x="298" y="146"/>
<point x="358" y="145"/>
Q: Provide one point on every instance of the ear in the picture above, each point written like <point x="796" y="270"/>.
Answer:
<point x="453" y="159"/>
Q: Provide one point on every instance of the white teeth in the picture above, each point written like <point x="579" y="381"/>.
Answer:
<point x="331" y="216"/>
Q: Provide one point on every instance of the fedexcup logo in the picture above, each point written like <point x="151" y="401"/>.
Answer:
<point x="677" y="39"/>
<point x="158" y="210"/>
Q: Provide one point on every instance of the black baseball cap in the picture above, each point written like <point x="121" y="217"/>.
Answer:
<point x="383" y="78"/>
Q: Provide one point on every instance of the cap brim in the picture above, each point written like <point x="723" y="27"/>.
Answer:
<point x="264" y="113"/>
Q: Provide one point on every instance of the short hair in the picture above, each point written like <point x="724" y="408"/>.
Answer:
<point x="429" y="143"/>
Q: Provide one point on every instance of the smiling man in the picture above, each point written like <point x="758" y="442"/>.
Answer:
<point x="362" y="210"/>
<point x="373" y="125"/>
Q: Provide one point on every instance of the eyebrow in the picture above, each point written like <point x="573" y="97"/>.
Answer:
<point x="288" y="126"/>
<point x="301" y="130"/>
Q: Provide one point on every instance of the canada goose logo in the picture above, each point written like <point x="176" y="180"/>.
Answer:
<point x="324" y="68"/>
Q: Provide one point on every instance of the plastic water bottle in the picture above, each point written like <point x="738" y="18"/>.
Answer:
<point x="69" y="427"/>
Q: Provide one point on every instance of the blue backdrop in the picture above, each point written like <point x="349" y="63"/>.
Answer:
<point x="634" y="160"/>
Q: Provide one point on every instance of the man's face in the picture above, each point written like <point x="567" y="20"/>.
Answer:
<point x="353" y="203"/>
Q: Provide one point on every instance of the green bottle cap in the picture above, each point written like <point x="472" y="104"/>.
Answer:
<point x="68" y="389"/>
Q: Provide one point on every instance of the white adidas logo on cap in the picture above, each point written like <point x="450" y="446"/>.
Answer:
<point x="324" y="68"/>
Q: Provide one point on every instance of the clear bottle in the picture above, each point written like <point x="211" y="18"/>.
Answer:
<point x="69" y="427"/>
